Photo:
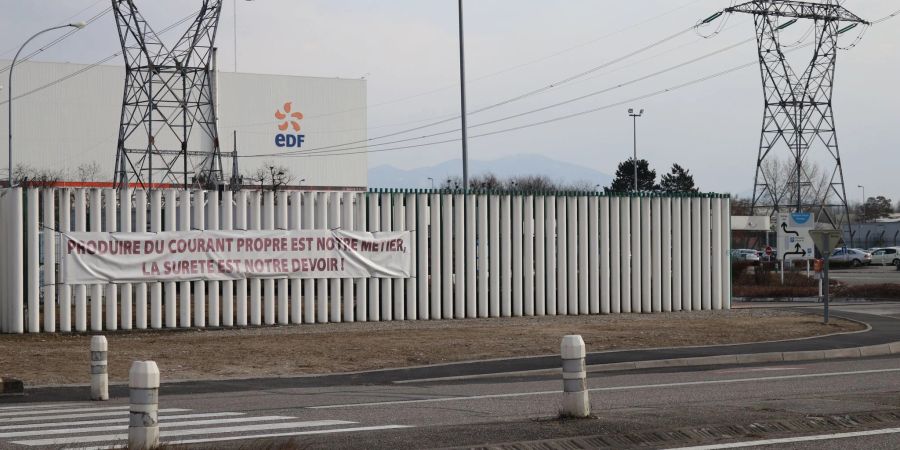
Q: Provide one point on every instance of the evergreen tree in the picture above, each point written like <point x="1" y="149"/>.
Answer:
<point x="678" y="180"/>
<point x="624" y="181"/>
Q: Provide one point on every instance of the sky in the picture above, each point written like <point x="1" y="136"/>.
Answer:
<point x="408" y="52"/>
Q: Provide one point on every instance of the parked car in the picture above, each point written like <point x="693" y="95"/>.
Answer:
<point x="852" y="256"/>
<point x="745" y="254"/>
<point x="885" y="256"/>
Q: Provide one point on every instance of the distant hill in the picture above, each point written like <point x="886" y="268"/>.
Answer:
<point x="391" y="177"/>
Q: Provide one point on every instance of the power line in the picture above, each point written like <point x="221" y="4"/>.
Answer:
<point x="521" y="96"/>
<point x="541" y="109"/>
<point x="13" y="49"/>
<point x="341" y="152"/>
<point x="93" y="65"/>
<point x="57" y="40"/>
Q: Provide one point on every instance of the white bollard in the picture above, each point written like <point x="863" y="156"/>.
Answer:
<point x="99" y="369"/>
<point x="143" y="425"/>
<point x="576" y="402"/>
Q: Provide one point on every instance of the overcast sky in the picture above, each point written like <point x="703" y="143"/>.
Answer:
<point x="408" y="52"/>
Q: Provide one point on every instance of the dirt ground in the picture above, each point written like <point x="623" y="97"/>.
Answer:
<point x="306" y="349"/>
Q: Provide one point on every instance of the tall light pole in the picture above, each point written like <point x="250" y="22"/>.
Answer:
<point x="865" y="205"/>
<point x="432" y="182"/>
<point x="9" y="103"/>
<point x="634" y="116"/>
<point x="462" y="93"/>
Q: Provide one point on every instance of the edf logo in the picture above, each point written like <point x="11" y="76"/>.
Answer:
<point x="289" y="119"/>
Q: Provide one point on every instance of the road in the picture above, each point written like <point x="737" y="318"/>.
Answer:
<point x="655" y="409"/>
<point x="867" y="275"/>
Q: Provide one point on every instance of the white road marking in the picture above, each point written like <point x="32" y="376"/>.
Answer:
<point x="755" y="369"/>
<point x="123" y="419"/>
<point x="299" y="433"/>
<point x="613" y="388"/>
<point x="34" y="405"/>
<point x="65" y="410"/>
<point x="108" y="428"/>
<point x="81" y="415"/>
<point x="176" y="433"/>
<point x="821" y="437"/>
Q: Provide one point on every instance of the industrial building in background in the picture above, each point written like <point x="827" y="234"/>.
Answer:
<point x="168" y="132"/>
<point x="798" y="111"/>
<point x="68" y="115"/>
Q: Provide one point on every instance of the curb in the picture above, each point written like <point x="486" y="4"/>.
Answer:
<point x="755" y="358"/>
<point x="11" y="386"/>
<point x="698" y="361"/>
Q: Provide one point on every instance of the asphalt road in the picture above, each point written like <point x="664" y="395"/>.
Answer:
<point x="651" y="409"/>
<point x="867" y="275"/>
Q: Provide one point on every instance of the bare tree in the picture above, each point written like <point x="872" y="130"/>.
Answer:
<point x="531" y="183"/>
<point x="30" y="176"/>
<point x="781" y="176"/>
<point x="88" y="172"/>
<point x="272" y="176"/>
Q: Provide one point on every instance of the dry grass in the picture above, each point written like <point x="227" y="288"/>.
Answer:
<point x="329" y="348"/>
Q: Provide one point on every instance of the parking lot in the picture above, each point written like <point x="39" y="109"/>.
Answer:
<point x="867" y="275"/>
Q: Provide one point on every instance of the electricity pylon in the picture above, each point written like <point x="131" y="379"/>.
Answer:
<point x="799" y="117"/>
<point x="168" y="94"/>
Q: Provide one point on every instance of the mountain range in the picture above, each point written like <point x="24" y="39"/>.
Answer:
<point x="386" y="176"/>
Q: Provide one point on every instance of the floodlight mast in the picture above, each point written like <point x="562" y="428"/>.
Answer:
<point x="798" y="109"/>
<point x="168" y="93"/>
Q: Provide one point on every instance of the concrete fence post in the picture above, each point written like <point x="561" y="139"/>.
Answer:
<point x="143" y="425"/>
<point x="576" y="402"/>
<point x="99" y="369"/>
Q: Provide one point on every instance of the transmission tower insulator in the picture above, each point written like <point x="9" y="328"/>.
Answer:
<point x="798" y="118"/>
<point x="168" y="132"/>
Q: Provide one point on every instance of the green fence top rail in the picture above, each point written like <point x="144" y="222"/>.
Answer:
<point x="646" y="194"/>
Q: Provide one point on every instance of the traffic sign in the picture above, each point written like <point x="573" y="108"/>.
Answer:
<point x="826" y="240"/>
<point x="793" y="235"/>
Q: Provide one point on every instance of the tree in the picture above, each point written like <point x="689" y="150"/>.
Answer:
<point x="487" y="181"/>
<point x="271" y="176"/>
<point x="531" y="184"/>
<point x="88" y="172"/>
<point x="624" y="181"/>
<point x="876" y="208"/>
<point x="678" y="180"/>
<point x="28" y="175"/>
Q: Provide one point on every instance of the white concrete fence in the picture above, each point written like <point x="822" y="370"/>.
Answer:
<point x="474" y="256"/>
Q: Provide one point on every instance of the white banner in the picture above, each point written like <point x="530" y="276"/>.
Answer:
<point x="96" y="258"/>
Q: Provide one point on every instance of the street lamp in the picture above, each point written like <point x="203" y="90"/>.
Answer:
<point x="462" y="95"/>
<point x="635" y="117"/>
<point x="865" y="201"/>
<point x="432" y="182"/>
<point x="9" y="103"/>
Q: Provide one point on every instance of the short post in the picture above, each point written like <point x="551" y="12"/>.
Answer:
<point x="99" y="369"/>
<point x="143" y="425"/>
<point x="576" y="402"/>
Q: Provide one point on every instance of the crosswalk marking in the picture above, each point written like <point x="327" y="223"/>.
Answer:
<point x="84" y="426"/>
<point x="15" y="434"/>
<point x="192" y="432"/>
<point x="81" y="415"/>
<point x="64" y="410"/>
<point x="162" y="418"/>
<point x="271" y="435"/>
<point x="33" y="406"/>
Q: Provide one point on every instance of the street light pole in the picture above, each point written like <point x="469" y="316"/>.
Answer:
<point x="865" y="206"/>
<point x="9" y="103"/>
<point x="432" y="182"/>
<point x="462" y="93"/>
<point x="634" y="116"/>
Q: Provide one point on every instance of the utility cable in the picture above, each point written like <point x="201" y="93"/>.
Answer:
<point x="57" y="40"/>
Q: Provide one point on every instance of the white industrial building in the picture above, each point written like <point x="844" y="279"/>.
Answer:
<point x="69" y="118"/>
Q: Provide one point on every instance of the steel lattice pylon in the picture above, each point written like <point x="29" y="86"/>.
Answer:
<point x="798" y="109"/>
<point x="168" y="91"/>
